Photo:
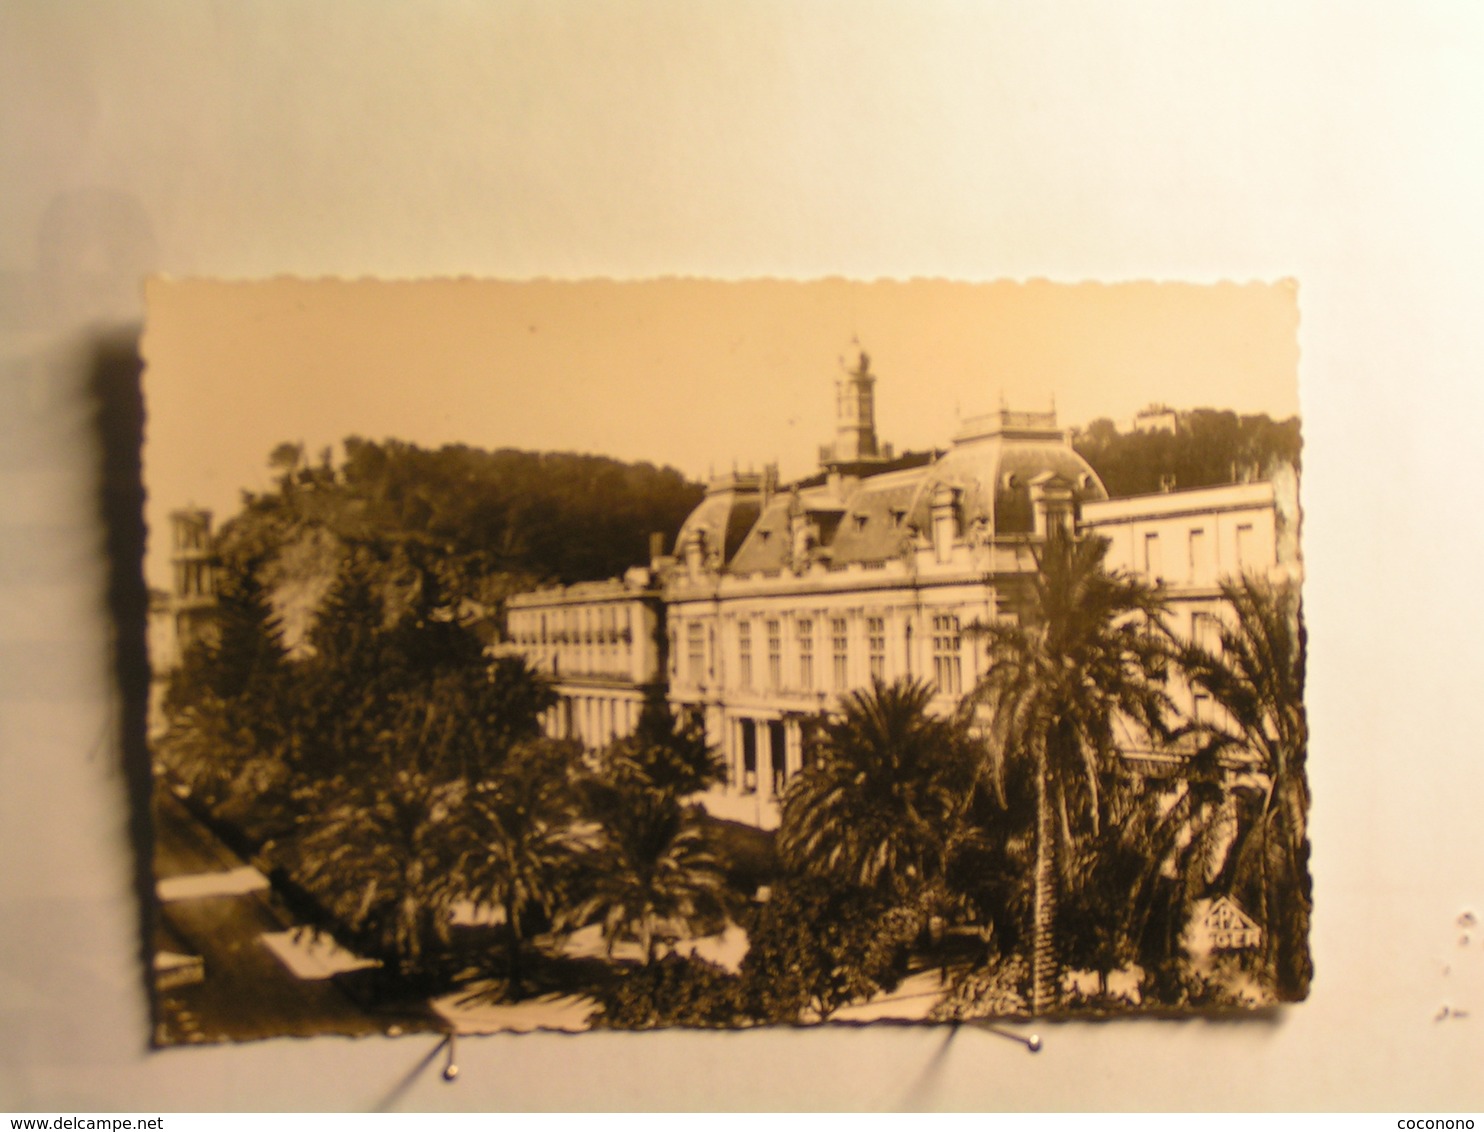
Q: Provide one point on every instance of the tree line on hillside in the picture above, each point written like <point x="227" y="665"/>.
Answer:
<point x="1206" y="447"/>
<point x="397" y="774"/>
<point x="487" y="524"/>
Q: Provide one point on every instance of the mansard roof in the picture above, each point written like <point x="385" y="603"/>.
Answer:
<point x="724" y="517"/>
<point x="875" y="526"/>
<point x="768" y="545"/>
<point x="871" y="512"/>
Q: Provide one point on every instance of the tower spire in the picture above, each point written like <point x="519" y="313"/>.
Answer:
<point x="855" y="409"/>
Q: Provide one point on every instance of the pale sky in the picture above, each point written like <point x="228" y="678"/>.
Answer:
<point x="696" y="374"/>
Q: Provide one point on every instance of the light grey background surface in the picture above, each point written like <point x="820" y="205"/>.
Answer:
<point x="1338" y="144"/>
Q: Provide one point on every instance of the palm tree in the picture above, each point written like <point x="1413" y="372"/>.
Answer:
<point x="1257" y="678"/>
<point x="652" y="875"/>
<point x="887" y="796"/>
<point x="1164" y="845"/>
<point x="669" y="754"/>
<point x="408" y="751"/>
<point x="521" y="841"/>
<point x="1078" y="661"/>
<point x="372" y="848"/>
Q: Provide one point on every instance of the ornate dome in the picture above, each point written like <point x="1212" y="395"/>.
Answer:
<point x="991" y="466"/>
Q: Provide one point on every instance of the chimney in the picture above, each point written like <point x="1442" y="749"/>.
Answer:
<point x="695" y="553"/>
<point x="945" y="521"/>
<point x="770" y="483"/>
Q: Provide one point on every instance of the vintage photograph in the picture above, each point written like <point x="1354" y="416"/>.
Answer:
<point x="693" y="653"/>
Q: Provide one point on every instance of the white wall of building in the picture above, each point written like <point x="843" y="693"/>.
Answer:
<point x="598" y="642"/>
<point x="1189" y="540"/>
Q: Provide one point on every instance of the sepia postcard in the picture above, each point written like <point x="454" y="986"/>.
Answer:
<point x="690" y="653"/>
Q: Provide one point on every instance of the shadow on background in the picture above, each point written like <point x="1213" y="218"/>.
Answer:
<point x="117" y="396"/>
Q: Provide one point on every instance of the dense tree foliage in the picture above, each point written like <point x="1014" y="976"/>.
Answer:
<point x="372" y="848"/>
<point x="386" y="762"/>
<point x="227" y="703"/>
<point x="664" y="753"/>
<point x="362" y="763"/>
<point x="820" y="944"/>
<point x="883" y="803"/>
<point x="520" y="843"/>
<point x="1132" y="879"/>
<point x="533" y="516"/>
<point x="1207" y="447"/>
<point x="651" y="877"/>
<point x="673" y="991"/>
<point x="1257" y="677"/>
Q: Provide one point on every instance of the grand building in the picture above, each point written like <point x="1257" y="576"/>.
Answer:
<point x="780" y="599"/>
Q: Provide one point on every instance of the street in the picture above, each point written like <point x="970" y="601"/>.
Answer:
<point x="215" y="906"/>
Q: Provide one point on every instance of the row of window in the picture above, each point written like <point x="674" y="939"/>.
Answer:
<point x="192" y="534"/>
<point x="1199" y="565"/>
<point x="947" y="643"/>
<point x="194" y="578"/>
<point x="593" y="641"/>
<point x="591" y="637"/>
<point x="578" y="625"/>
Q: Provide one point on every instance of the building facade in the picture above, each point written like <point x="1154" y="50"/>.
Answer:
<point x="780" y="600"/>
<point x="1189" y="543"/>
<point x="186" y="615"/>
<point x="600" y="645"/>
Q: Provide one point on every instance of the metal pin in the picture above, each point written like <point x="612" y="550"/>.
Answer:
<point x="1031" y="1042"/>
<point x="450" y="1068"/>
